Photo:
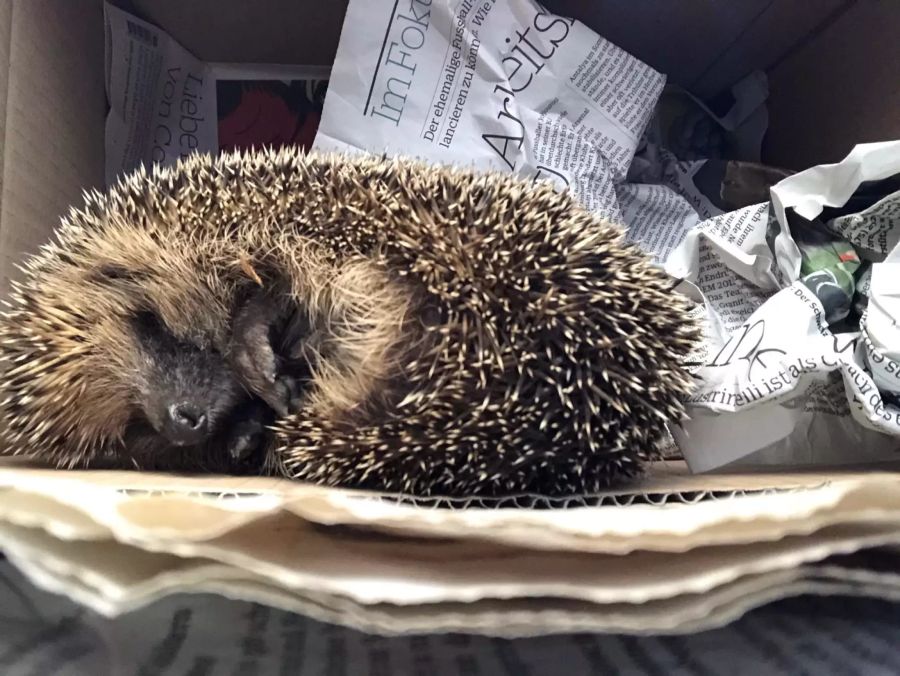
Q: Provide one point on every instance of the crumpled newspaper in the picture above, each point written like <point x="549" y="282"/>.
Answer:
<point x="802" y="361"/>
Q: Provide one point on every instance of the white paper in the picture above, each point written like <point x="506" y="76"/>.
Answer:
<point x="781" y="388"/>
<point x="658" y="217"/>
<point x="162" y="99"/>
<point x="494" y="84"/>
<point x="874" y="229"/>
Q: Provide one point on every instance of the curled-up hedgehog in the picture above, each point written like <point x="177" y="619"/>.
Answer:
<point x="357" y="322"/>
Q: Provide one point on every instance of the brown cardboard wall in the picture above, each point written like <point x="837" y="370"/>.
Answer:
<point x="703" y="45"/>
<point x="54" y="118"/>
<point x="5" y="32"/>
<point x="697" y="43"/>
<point x="265" y="31"/>
<point x="677" y="38"/>
<point x="840" y="88"/>
<point x="765" y="40"/>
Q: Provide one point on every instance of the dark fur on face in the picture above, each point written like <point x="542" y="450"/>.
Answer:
<point x="192" y="407"/>
<point x="185" y="392"/>
<point x="199" y="405"/>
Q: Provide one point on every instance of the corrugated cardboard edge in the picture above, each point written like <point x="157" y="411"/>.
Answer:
<point x="158" y="508"/>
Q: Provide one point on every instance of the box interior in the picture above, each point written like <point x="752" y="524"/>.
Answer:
<point x="831" y="67"/>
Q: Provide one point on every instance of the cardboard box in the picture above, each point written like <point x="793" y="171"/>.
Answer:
<point x="831" y="65"/>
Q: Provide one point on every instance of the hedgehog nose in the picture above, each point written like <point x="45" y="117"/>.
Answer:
<point x="187" y="423"/>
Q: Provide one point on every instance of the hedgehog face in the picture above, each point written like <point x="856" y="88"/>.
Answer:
<point x="184" y="392"/>
<point x="119" y="354"/>
<point x="109" y="362"/>
<point x="184" y="371"/>
<point x="156" y="360"/>
<point x="202" y="404"/>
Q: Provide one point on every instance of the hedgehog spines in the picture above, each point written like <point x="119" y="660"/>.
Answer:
<point x="469" y="333"/>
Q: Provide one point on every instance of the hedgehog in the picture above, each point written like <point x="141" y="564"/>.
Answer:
<point x="353" y="321"/>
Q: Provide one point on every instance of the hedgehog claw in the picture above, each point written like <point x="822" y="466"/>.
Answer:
<point x="248" y="434"/>
<point x="281" y="397"/>
<point x="288" y="395"/>
<point x="294" y="390"/>
<point x="245" y="440"/>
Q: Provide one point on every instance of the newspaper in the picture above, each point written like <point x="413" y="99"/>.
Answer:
<point x="493" y="84"/>
<point x="798" y="373"/>
<point x="165" y="103"/>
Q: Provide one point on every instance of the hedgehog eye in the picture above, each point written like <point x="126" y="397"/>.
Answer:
<point x="148" y="326"/>
<point x="150" y="329"/>
<point x="112" y="272"/>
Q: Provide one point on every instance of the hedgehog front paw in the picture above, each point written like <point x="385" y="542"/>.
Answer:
<point x="262" y="371"/>
<point x="247" y="438"/>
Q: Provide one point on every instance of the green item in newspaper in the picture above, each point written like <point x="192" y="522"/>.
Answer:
<point x="828" y="267"/>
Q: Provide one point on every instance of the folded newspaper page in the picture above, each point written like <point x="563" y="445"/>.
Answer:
<point x="792" y="374"/>
<point x="165" y="103"/>
<point x="500" y="85"/>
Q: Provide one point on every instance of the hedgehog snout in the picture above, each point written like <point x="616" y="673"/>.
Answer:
<point x="186" y="423"/>
<point x="192" y="399"/>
